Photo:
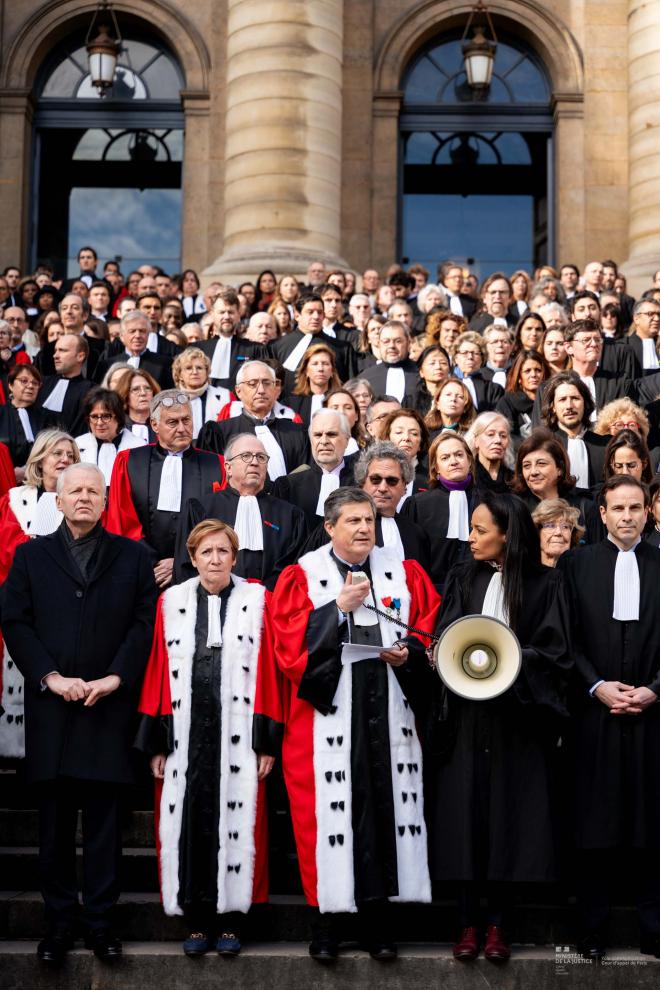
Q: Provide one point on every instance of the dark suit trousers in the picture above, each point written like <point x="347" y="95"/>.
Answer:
<point x="599" y="869"/>
<point x="101" y="827"/>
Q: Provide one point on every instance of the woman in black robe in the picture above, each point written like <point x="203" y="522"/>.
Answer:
<point x="490" y="761"/>
<point x="20" y="419"/>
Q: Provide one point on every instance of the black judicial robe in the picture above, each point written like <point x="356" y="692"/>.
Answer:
<point x="13" y="435"/>
<point x="284" y="529"/>
<point x="647" y="389"/>
<point x="163" y="346"/>
<point x="487" y="391"/>
<point x="302" y="405"/>
<point x="517" y="408"/>
<point x="619" y="358"/>
<point x="134" y="490"/>
<point x="377" y="378"/>
<point x="617" y="770"/>
<point x="302" y="487"/>
<point x="159" y="366"/>
<point x="489" y="791"/>
<point x="484" y="482"/>
<point x="345" y="356"/>
<point x="70" y="418"/>
<point x="581" y="500"/>
<point x="291" y="437"/>
<point x="44" y="360"/>
<point x="595" y="444"/>
<point x="242" y="350"/>
<point x="430" y="511"/>
<point x="413" y="539"/>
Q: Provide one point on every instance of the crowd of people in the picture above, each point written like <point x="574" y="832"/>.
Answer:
<point x="233" y="524"/>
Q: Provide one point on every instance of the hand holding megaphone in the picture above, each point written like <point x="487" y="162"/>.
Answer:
<point x="478" y="657"/>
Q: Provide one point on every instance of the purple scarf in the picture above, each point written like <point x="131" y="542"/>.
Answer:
<point x="455" y="486"/>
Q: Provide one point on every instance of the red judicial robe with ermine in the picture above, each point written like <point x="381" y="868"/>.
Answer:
<point x="251" y="719"/>
<point x="316" y="750"/>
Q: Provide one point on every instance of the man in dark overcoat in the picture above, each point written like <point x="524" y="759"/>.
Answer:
<point x="77" y="615"/>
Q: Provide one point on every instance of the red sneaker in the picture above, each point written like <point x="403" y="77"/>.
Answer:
<point x="467" y="947"/>
<point x="497" y="950"/>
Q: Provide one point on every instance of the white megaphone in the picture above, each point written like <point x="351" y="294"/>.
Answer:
<point x="478" y="657"/>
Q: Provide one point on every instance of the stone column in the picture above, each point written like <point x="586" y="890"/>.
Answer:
<point x="643" y="143"/>
<point x="282" y="193"/>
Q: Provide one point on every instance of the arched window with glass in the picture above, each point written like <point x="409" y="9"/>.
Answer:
<point x="117" y="180"/>
<point x="476" y="166"/>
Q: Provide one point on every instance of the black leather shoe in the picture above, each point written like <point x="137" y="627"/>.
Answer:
<point x="323" y="949"/>
<point x="649" y="944"/>
<point x="104" y="944"/>
<point x="382" y="951"/>
<point x="592" y="946"/>
<point x="53" y="948"/>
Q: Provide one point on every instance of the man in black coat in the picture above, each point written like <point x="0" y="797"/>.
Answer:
<point x="395" y="374"/>
<point x="289" y="350"/>
<point x="77" y="614"/>
<point x="613" y="587"/>
<point x="226" y="351"/>
<point x="63" y="393"/>
<point x="134" y="337"/>
<point x="566" y="410"/>
<point x="285" y="441"/>
<point x="308" y="486"/>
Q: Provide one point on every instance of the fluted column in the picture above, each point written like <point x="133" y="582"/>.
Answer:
<point x="282" y="194"/>
<point x="643" y="142"/>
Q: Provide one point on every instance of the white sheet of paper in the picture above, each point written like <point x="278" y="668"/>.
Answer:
<point x="354" y="652"/>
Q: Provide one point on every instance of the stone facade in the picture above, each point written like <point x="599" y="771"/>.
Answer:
<point x="291" y="115"/>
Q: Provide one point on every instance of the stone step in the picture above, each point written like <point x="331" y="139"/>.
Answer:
<point x="284" y="966"/>
<point x="18" y="868"/>
<point x="140" y="917"/>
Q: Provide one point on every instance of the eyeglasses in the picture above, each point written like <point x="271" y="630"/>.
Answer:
<point x="254" y="383"/>
<point x="588" y="340"/>
<point x="26" y="382"/>
<point x="390" y="480"/>
<point x="100" y="417"/>
<point x="248" y="457"/>
<point x="563" y="527"/>
<point x="621" y="425"/>
<point x="140" y="388"/>
<point x="653" y="314"/>
<point x="472" y="354"/>
<point x="14" y="319"/>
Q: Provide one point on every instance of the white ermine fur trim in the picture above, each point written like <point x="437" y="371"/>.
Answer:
<point x="12" y="727"/>
<point x="241" y="638"/>
<point x="88" y="445"/>
<point x="216" y="399"/>
<point x="332" y="755"/>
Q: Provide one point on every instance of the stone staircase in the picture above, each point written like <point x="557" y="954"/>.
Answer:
<point x="277" y="933"/>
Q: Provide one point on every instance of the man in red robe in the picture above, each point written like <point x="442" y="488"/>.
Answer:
<point x="351" y="756"/>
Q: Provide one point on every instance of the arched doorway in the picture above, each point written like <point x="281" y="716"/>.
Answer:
<point x="108" y="171"/>
<point x="476" y="172"/>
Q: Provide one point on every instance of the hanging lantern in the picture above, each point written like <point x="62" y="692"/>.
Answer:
<point x="103" y="50"/>
<point x="479" y="52"/>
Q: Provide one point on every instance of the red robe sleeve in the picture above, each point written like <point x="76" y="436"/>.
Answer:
<point x="225" y="412"/>
<point x="22" y="357"/>
<point x="7" y="474"/>
<point x="155" y="706"/>
<point x="122" y="518"/>
<point x="11" y="536"/>
<point x="425" y="600"/>
<point x="289" y="615"/>
<point x="268" y="721"/>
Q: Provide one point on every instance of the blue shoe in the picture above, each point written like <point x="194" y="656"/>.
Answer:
<point x="228" y="944"/>
<point x="197" y="944"/>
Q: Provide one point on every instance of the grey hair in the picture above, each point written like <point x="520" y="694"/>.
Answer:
<point x="382" y="450"/>
<point x="494" y="328"/>
<point x="426" y="291"/>
<point x="250" y="364"/>
<point x="261" y="313"/>
<point x="340" y="417"/>
<point x="481" y="423"/>
<point x="340" y="498"/>
<point x="80" y="466"/>
<point x="117" y="366"/>
<point x="133" y="316"/>
<point x="553" y="307"/>
<point x="234" y="440"/>
<point x="396" y="325"/>
<point x="156" y="404"/>
<point x="7" y="326"/>
<point x="369" y="415"/>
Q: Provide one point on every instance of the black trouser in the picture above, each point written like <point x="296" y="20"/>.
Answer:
<point x="59" y="802"/>
<point x="598" y="868"/>
<point x="374" y="922"/>
<point x="498" y="903"/>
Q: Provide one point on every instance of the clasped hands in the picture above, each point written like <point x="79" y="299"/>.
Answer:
<point x="351" y="597"/>
<point x="76" y="689"/>
<point x="625" y="699"/>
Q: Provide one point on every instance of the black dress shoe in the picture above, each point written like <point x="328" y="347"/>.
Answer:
<point x="324" y="949"/>
<point x="104" y="944"/>
<point x="649" y="944"/>
<point x="592" y="946"/>
<point x="53" y="948"/>
<point x="382" y="951"/>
